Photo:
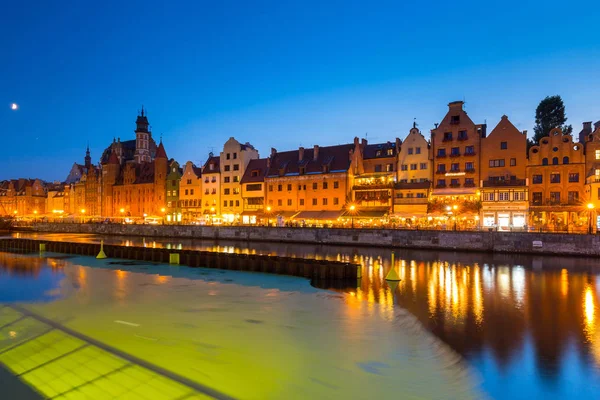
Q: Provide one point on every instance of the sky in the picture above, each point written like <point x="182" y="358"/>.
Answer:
<point x="278" y="74"/>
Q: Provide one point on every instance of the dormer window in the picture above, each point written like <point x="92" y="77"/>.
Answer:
<point x="254" y="172"/>
<point x="302" y="170"/>
<point x="378" y="153"/>
<point x="325" y="169"/>
<point x="390" y="152"/>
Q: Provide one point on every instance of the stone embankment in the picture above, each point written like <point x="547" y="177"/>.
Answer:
<point x="484" y="241"/>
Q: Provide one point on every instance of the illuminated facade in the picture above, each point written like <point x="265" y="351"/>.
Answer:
<point x="592" y="168"/>
<point x="504" y="192"/>
<point x="22" y="197"/>
<point x="455" y="151"/>
<point x="190" y="193"/>
<point x="173" y="209"/>
<point x="253" y="191"/>
<point x="234" y="159"/>
<point x="412" y="189"/>
<point x="556" y="174"/>
<point x="211" y="187"/>
<point x="373" y="177"/>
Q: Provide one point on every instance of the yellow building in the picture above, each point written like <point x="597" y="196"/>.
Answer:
<point x="411" y="191"/>
<point x="556" y="174"/>
<point x="211" y="190"/>
<point x="309" y="186"/>
<point x="190" y="193"/>
<point x="234" y="159"/>
<point x="373" y="174"/>
<point x="592" y="169"/>
<point x="253" y="191"/>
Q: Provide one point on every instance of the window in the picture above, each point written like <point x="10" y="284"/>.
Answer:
<point x="206" y="191"/>
<point x="186" y="192"/>
<point x="441" y="182"/>
<point x="573" y="197"/>
<point x="574" y="177"/>
<point x="565" y="160"/>
<point x="253" y="187"/>
<point x="226" y="191"/>
<point x="462" y="135"/>
<point x="279" y="188"/>
<point x="555" y="177"/>
<point x="389" y="167"/>
<point x="410" y="195"/>
<point x="314" y="202"/>
<point x="488" y="197"/>
<point x="237" y="203"/>
<point x="544" y="161"/>
<point x="270" y="188"/>
<point x="503" y="196"/>
<point x="289" y="187"/>
<point x="454" y="182"/>
<point x="519" y="196"/>
<point x="469" y="166"/>
<point x="555" y="161"/>
<point x="454" y="151"/>
<point x="236" y="167"/>
<point x="410" y="150"/>
<point x="301" y="202"/>
<point x="455" y="167"/>
<point x="470" y="150"/>
<point x="390" y="152"/>
<point x="597" y="154"/>
<point x="336" y="201"/>
<point x="228" y="156"/>
<point x="555" y="197"/>
<point x="404" y="167"/>
<point x="236" y="178"/>
<point x="423" y="165"/>
<point x="224" y="203"/>
<point x="324" y="201"/>
<point x="420" y="195"/>
<point x="513" y="162"/>
<point x="192" y="192"/>
<point x="447" y="136"/>
<point x="441" y="153"/>
<point x="413" y="167"/>
<point x="314" y="185"/>
<point x="503" y="145"/>
<point x="537" y="179"/>
<point x="417" y="150"/>
<point x="324" y="185"/>
<point x="236" y="190"/>
<point x="234" y="156"/>
<point x="441" y="168"/>
<point x="279" y="202"/>
<point x="496" y="163"/>
<point x="254" y="172"/>
<point x="226" y="179"/>
<point x="189" y="181"/>
<point x="469" y="182"/>
<point x="537" y="197"/>
<point x="378" y="153"/>
<point x="336" y="184"/>
<point x="226" y="168"/>
<point x="289" y="202"/>
<point x="455" y="119"/>
<point x="378" y="168"/>
<point x="174" y="182"/>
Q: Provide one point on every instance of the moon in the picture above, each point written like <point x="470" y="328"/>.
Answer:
<point x="14" y="106"/>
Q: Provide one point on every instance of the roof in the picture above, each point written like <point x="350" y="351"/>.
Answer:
<point x="336" y="158"/>
<point x="160" y="152"/>
<point x="370" y="150"/>
<point x="212" y="159"/>
<point x="259" y="165"/>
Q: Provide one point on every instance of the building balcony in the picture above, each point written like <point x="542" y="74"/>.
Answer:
<point x="455" y="185"/>
<point x="453" y="171"/>
<point x="440" y="185"/>
<point x="514" y="182"/>
<point x="467" y="184"/>
<point x="454" y="155"/>
<point x="374" y="186"/>
<point x="470" y="170"/>
<point x="440" y="171"/>
<point x="441" y="156"/>
<point x="469" y="154"/>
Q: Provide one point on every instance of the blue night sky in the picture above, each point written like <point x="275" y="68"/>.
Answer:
<point x="278" y="74"/>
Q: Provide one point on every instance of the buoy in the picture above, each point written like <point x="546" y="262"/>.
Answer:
<point x="102" y="254"/>
<point x="174" y="258"/>
<point x="392" y="275"/>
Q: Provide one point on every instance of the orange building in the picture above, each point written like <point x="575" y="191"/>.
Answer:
<point x="22" y="198"/>
<point x="190" y="193"/>
<point x="310" y="186"/>
<point x="556" y="174"/>
<point x="504" y="177"/>
<point x="455" y="150"/>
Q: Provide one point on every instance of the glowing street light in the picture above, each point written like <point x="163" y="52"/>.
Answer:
<point x="590" y="207"/>
<point x="122" y="210"/>
<point x="352" y="208"/>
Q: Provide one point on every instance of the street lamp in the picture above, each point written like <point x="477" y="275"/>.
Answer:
<point x="352" y="208"/>
<point x="590" y="207"/>
<point x="82" y="215"/>
<point x="268" y="215"/>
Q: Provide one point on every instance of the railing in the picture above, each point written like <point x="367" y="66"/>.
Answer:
<point x="469" y="184"/>
<point x="558" y="203"/>
<point x="513" y="182"/>
<point x="440" y="185"/>
<point x="440" y="171"/>
<point x="454" y="155"/>
<point x="469" y="153"/>
<point x="470" y="170"/>
<point x="374" y="186"/>
<point x="441" y="155"/>
<point x="411" y="200"/>
<point x="455" y="185"/>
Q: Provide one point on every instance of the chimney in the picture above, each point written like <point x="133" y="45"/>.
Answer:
<point x="588" y="125"/>
<point x="456" y="105"/>
<point x="525" y="132"/>
<point x="301" y="154"/>
<point x="363" y="142"/>
<point x="398" y="143"/>
<point x="316" y="152"/>
<point x="273" y="151"/>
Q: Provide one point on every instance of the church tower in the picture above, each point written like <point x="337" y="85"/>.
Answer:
<point x="88" y="158"/>
<point x="142" y="139"/>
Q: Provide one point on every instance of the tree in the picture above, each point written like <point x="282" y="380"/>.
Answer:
<point x="550" y="114"/>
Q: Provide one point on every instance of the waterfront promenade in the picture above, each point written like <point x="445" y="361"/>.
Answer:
<point x="480" y="241"/>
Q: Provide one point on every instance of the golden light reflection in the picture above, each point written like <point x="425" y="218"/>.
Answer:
<point x="477" y="295"/>
<point x="160" y="279"/>
<point x="564" y="282"/>
<point x="589" y="311"/>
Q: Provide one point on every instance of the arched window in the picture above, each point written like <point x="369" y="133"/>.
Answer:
<point x="565" y="160"/>
<point x="544" y="161"/>
<point x="555" y="161"/>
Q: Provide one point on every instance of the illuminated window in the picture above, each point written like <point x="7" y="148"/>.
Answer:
<point x="597" y="154"/>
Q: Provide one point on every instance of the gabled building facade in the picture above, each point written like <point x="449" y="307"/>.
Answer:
<point x="253" y="191"/>
<point x="173" y="210"/>
<point x="190" y="193"/>
<point x="211" y="187"/>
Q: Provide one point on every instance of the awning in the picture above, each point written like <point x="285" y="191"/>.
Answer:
<point x="366" y="214"/>
<point x="322" y="215"/>
<point x="453" y="191"/>
<point x="284" y="214"/>
<point x="256" y="213"/>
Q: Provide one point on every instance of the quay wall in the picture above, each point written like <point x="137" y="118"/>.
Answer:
<point x="482" y="241"/>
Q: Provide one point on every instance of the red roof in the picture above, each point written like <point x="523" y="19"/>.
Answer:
<point x="113" y="159"/>
<point x="160" y="152"/>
